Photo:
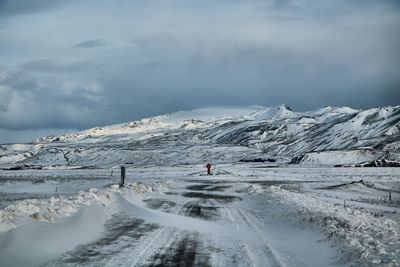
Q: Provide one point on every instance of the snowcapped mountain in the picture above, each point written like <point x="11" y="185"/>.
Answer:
<point x="331" y="135"/>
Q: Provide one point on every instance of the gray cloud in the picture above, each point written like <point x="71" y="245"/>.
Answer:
<point x="158" y="57"/>
<point x="16" y="7"/>
<point x="91" y="43"/>
<point x="48" y="103"/>
<point x="282" y="4"/>
<point x="47" y="65"/>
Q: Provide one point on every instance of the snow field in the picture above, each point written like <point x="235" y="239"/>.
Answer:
<point x="368" y="240"/>
<point x="243" y="232"/>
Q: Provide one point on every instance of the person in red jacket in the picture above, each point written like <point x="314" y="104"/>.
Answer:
<point x="208" y="168"/>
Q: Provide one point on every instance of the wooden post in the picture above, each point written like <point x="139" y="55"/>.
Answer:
<point x="390" y="196"/>
<point x="123" y="173"/>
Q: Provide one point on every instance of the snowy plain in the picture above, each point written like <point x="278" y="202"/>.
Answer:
<point x="242" y="215"/>
<point x="274" y="198"/>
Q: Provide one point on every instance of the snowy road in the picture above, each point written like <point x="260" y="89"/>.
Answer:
<point x="203" y="223"/>
<point x="242" y="215"/>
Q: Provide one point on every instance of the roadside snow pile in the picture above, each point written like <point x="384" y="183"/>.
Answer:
<point x="367" y="239"/>
<point x="341" y="157"/>
<point x="49" y="210"/>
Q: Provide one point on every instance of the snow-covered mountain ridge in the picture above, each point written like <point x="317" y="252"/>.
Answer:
<point x="330" y="135"/>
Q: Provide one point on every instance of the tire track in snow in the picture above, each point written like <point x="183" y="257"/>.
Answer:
<point x="257" y="248"/>
<point x="141" y="254"/>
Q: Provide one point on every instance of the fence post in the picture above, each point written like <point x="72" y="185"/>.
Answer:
<point x="390" y="196"/>
<point x="123" y="173"/>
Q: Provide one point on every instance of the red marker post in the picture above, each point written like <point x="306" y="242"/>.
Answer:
<point x="208" y="168"/>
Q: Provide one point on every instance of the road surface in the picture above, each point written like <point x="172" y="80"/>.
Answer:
<point x="205" y="222"/>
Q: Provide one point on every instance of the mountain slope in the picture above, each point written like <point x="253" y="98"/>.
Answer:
<point x="325" y="136"/>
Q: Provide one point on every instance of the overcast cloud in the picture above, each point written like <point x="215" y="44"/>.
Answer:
<point x="78" y="64"/>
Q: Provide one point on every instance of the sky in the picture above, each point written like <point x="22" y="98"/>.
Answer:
<point x="71" y="65"/>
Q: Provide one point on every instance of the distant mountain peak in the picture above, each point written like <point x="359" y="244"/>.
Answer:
<point x="283" y="106"/>
<point x="275" y="112"/>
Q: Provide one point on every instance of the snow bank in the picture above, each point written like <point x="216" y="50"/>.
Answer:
<point x="341" y="157"/>
<point x="49" y="210"/>
<point x="37" y="242"/>
<point x="368" y="240"/>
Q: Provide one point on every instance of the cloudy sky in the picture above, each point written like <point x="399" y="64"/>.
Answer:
<point x="71" y="65"/>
